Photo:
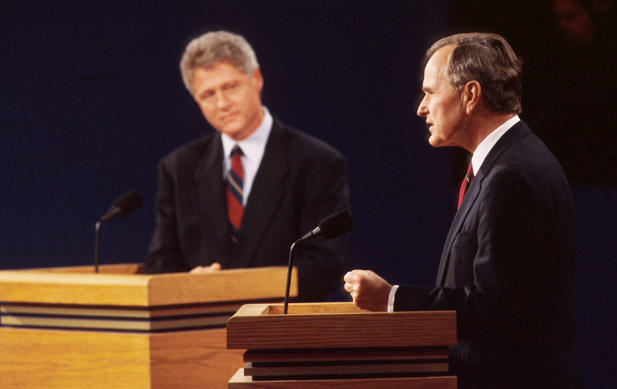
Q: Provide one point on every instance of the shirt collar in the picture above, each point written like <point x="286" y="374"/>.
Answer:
<point x="253" y="146"/>
<point x="487" y="143"/>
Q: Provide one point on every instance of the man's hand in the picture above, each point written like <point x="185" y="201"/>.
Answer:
<point x="206" y="269"/>
<point x="368" y="290"/>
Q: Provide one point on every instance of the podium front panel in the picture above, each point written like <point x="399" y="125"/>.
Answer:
<point x="341" y="346"/>
<point x="68" y="327"/>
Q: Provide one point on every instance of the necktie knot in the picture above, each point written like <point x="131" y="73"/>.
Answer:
<point x="236" y="150"/>
<point x="469" y="175"/>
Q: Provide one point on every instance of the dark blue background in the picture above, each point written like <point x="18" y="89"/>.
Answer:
<point x="91" y="98"/>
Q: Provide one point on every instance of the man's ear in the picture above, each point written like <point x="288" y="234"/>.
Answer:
<point x="258" y="79"/>
<point x="472" y="91"/>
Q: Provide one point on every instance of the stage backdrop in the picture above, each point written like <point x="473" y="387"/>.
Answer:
<point x="91" y="98"/>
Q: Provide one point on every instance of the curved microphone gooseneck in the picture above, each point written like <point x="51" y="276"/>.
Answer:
<point x="333" y="226"/>
<point x="125" y="204"/>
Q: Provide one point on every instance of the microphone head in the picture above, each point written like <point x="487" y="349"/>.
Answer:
<point x="128" y="202"/>
<point x="337" y="224"/>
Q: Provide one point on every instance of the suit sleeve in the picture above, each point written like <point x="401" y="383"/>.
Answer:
<point x="320" y="263"/>
<point x="504" y="248"/>
<point x="164" y="255"/>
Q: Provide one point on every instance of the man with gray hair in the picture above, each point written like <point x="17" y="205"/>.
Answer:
<point x="507" y="267"/>
<point x="240" y="196"/>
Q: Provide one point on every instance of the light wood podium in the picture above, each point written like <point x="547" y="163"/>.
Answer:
<point x="71" y="328"/>
<point x="337" y="345"/>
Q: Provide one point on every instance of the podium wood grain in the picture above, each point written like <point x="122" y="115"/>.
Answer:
<point x="64" y="359"/>
<point x="75" y="285"/>
<point x="99" y="358"/>
<point x="337" y="345"/>
<point x="337" y="325"/>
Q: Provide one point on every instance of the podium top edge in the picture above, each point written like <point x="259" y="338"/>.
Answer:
<point x="124" y="285"/>
<point x="124" y="271"/>
<point x="321" y="309"/>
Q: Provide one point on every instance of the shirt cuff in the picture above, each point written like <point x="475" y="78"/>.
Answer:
<point x="391" y="298"/>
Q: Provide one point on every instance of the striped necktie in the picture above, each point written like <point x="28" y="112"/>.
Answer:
<point x="235" y="184"/>
<point x="464" y="185"/>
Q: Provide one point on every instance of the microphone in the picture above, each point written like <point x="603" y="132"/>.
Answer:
<point x="125" y="204"/>
<point x="335" y="225"/>
<point x="332" y="226"/>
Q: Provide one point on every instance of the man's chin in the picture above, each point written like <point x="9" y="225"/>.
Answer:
<point x="434" y="141"/>
<point x="234" y="132"/>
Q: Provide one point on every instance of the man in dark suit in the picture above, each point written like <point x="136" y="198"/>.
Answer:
<point x="507" y="266"/>
<point x="240" y="196"/>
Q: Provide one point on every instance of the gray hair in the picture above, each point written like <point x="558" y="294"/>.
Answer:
<point x="214" y="47"/>
<point x="488" y="59"/>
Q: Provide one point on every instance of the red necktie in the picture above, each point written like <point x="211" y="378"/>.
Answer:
<point x="235" y="184"/>
<point x="464" y="185"/>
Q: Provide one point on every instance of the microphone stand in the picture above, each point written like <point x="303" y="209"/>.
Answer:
<point x="97" y="239"/>
<point x="331" y="227"/>
<point x="290" y="265"/>
<point x="125" y="204"/>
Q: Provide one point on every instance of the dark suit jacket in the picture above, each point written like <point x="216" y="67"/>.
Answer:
<point x="300" y="181"/>
<point x="507" y="268"/>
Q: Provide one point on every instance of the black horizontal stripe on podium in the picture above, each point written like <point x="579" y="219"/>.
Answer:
<point x="346" y="363"/>
<point x="122" y="319"/>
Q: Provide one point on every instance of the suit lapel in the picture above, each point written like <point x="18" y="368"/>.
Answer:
<point x="265" y="198"/>
<point x="210" y="203"/>
<point x="519" y="130"/>
<point x="468" y="201"/>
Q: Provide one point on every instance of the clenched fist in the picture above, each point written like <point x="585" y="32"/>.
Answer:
<point x="368" y="290"/>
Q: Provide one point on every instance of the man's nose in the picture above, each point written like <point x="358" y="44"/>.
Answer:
<point x="422" y="109"/>
<point x="221" y="99"/>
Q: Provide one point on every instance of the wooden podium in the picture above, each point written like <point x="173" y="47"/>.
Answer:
<point x="337" y="345"/>
<point x="71" y="328"/>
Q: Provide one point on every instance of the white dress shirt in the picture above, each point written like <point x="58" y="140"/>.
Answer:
<point x="253" y="148"/>
<point x="476" y="161"/>
<point x="487" y="143"/>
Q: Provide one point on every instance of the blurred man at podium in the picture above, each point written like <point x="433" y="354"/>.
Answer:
<point x="240" y="196"/>
<point x="507" y="266"/>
